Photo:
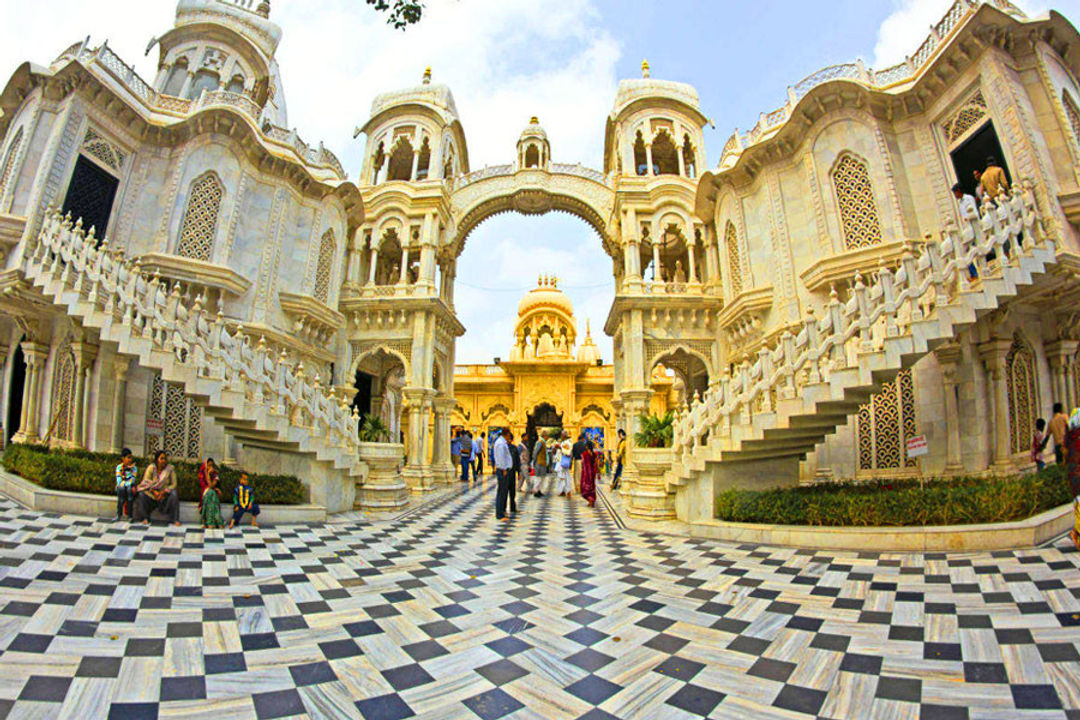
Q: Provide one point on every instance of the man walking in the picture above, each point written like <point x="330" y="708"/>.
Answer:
<point x="504" y="468"/>
<point x="478" y="456"/>
<point x="515" y="474"/>
<point x="993" y="179"/>
<point x="523" y="456"/>
<point x="577" y="451"/>
<point x="540" y="463"/>
<point x="1058" y="425"/>
<point x="465" y="451"/>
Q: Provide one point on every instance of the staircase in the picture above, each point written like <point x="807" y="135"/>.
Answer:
<point x="786" y="402"/>
<point x="265" y="401"/>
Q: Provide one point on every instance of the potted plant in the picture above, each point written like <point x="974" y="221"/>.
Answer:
<point x="656" y="430"/>
<point x="381" y="487"/>
<point x="373" y="430"/>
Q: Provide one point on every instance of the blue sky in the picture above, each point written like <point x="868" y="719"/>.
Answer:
<point x="507" y="60"/>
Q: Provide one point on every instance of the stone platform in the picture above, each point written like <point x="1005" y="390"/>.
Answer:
<point x="561" y="613"/>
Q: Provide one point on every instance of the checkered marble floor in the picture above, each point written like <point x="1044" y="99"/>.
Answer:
<point x="562" y="613"/>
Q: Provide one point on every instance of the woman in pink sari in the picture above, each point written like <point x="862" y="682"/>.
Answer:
<point x="588" y="473"/>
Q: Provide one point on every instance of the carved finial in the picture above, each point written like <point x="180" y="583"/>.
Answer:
<point x="534" y="121"/>
<point x="645" y="68"/>
<point x="833" y="295"/>
<point x="427" y="75"/>
<point x="264" y="8"/>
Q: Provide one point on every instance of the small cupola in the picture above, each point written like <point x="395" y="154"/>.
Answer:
<point x="533" y="148"/>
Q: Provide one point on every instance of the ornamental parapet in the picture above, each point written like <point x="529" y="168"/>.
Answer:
<point x="885" y="79"/>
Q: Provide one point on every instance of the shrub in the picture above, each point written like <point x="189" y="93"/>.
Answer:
<point x="957" y="501"/>
<point x="656" y="430"/>
<point x="90" y="472"/>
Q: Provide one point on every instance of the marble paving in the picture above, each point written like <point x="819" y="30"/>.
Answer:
<point x="562" y="613"/>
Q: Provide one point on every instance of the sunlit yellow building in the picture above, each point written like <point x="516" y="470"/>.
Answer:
<point x="549" y="380"/>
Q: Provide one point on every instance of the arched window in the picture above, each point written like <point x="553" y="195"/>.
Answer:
<point x="1073" y="113"/>
<point x="532" y="156"/>
<point x="424" y="161"/>
<point x="689" y="162"/>
<point x="204" y="80"/>
<point x="448" y="164"/>
<point x="200" y="219"/>
<point x="641" y="163"/>
<point x="885" y="424"/>
<point x="236" y="84"/>
<point x="855" y="201"/>
<point x="664" y="157"/>
<point x="8" y="168"/>
<point x="1023" y="395"/>
<point x="731" y="239"/>
<point x="324" y="269"/>
<point x="401" y="158"/>
<point x="178" y="73"/>
<point x="63" y="404"/>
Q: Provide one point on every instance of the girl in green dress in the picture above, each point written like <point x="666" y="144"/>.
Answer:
<point x="211" y="503"/>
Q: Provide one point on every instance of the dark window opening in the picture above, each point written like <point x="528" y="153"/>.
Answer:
<point x="90" y="196"/>
<point x="362" y="401"/>
<point x="15" y="394"/>
<point x="971" y="156"/>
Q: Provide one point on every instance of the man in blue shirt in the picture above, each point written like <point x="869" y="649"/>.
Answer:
<point x="465" y="453"/>
<point x="503" y="460"/>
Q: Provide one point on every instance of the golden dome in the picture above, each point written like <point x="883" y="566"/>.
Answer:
<point x="546" y="294"/>
<point x="588" y="352"/>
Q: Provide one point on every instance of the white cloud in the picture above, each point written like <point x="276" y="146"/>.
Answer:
<point x="504" y="60"/>
<point x="903" y="30"/>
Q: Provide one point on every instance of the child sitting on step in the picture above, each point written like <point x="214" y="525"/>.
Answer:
<point x="244" y="501"/>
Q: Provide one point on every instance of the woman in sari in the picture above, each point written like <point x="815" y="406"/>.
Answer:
<point x="210" y="503"/>
<point x="1072" y="470"/>
<point x="588" y="473"/>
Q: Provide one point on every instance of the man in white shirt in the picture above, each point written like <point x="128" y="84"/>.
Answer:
<point x="969" y="212"/>
<point x="504" y="466"/>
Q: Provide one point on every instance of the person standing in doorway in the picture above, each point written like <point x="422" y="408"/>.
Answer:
<point x="993" y="179"/>
<point x="503" y="460"/>
<point x="1059" y="423"/>
<point x="620" y="457"/>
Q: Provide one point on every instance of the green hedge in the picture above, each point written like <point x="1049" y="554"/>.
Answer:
<point x="90" y="472"/>
<point x="959" y="501"/>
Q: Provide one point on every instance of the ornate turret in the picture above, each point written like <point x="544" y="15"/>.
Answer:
<point x="533" y="148"/>
<point x="545" y="329"/>
<point x="655" y="128"/>
<point x="220" y="45"/>
<point x="414" y="134"/>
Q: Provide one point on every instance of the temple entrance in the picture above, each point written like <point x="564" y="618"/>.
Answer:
<point x="379" y="379"/>
<point x="15" y="394"/>
<point x="543" y="419"/>
<point x="970" y="156"/>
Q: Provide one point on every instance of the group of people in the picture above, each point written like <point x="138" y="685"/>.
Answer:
<point x="157" y="491"/>
<point x="989" y="184"/>
<point x="527" y="465"/>
<point x="1064" y="432"/>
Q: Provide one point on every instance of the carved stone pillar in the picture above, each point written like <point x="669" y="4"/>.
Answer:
<point x="440" y="445"/>
<point x="85" y="354"/>
<point x="949" y="357"/>
<point x="119" y="400"/>
<point x="1061" y="354"/>
<point x="658" y="272"/>
<point x="691" y="251"/>
<point x="427" y="253"/>
<point x="993" y="354"/>
<point x="35" y="354"/>
<point x="648" y="159"/>
<point x="356" y="251"/>
<point x="682" y="161"/>
<point x="374" y="262"/>
<point x="404" y="269"/>
<point x="418" y="471"/>
<point x="415" y="164"/>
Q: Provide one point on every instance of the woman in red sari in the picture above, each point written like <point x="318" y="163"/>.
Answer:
<point x="588" y="473"/>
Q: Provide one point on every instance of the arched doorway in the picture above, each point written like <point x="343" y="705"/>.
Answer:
<point x="544" y="418"/>
<point x="690" y="369"/>
<point x="379" y="377"/>
<point x="15" y="392"/>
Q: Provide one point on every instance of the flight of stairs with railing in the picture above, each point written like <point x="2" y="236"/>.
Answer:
<point x="793" y="395"/>
<point x="259" y="397"/>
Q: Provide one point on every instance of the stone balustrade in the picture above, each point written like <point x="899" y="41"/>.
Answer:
<point x="149" y="309"/>
<point x="833" y="339"/>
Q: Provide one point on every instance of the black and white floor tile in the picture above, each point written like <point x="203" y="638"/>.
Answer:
<point x="561" y="613"/>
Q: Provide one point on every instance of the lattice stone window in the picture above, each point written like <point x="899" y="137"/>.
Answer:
<point x="324" y="269"/>
<point x="173" y="422"/>
<point x="63" y="404"/>
<point x="201" y="218"/>
<point x="885" y="424"/>
<point x="731" y="240"/>
<point x="97" y="147"/>
<point x="9" y="160"/>
<point x="855" y="200"/>
<point x="968" y="116"/>
<point x="1071" y="112"/>
<point x="1023" y="395"/>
